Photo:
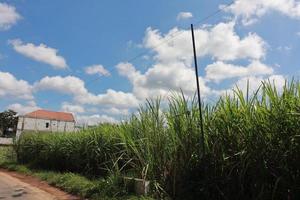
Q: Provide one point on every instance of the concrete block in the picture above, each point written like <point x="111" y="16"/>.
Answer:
<point x="138" y="186"/>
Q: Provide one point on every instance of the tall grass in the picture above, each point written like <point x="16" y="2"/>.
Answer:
<point x="252" y="147"/>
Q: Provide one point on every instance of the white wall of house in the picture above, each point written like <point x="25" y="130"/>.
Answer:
<point x="34" y="124"/>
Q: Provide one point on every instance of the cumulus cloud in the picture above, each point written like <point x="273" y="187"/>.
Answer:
<point x="75" y="86"/>
<point x="162" y="80"/>
<point x="8" y="16"/>
<point x="219" y="71"/>
<point x="68" y="107"/>
<point x="41" y="53"/>
<point x="67" y="85"/>
<point x="172" y="68"/>
<point x="254" y="82"/>
<point x="116" y="111"/>
<point x="97" y="69"/>
<point x="111" y="97"/>
<point x="129" y="71"/>
<point x="92" y="120"/>
<point x="11" y="87"/>
<point x="220" y="42"/>
<point x="251" y="11"/>
<point x="22" y="109"/>
<point x="184" y="15"/>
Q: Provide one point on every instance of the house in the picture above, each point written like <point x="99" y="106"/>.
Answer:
<point x="46" y="121"/>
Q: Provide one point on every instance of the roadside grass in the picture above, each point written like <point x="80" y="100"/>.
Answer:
<point x="106" y="189"/>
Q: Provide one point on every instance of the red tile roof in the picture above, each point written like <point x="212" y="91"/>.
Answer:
<point x="52" y="115"/>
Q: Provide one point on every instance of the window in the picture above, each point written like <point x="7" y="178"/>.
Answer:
<point x="47" y="124"/>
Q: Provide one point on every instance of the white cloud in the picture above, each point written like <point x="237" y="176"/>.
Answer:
<point x="172" y="69"/>
<point x="111" y="97"/>
<point x="162" y="80"/>
<point x="250" y="11"/>
<point x="67" y="85"/>
<point x="184" y="15"/>
<point x="74" y="86"/>
<point x="219" y="71"/>
<point x="116" y="111"/>
<point x="220" y="41"/>
<point x="298" y="34"/>
<point x="11" y="87"/>
<point x="21" y="109"/>
<point x="40" y="53"/>
<point x="278" y="80"/>
<point x="8" y="16"/>
<point x="95" y="119"/>
<point x="129" y="71"/>
<point x="92" y="110"/>
<point x="67" y="107"/>
<point x="254" y="82"/>
<point x="97" y="69"/>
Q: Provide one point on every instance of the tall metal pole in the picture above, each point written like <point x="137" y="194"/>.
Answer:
<point x="198" y="90"/>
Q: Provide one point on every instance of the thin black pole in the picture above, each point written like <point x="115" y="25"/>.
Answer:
<point x="198" y="90"/>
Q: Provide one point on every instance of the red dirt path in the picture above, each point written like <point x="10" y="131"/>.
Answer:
<point x="19" y="179"/>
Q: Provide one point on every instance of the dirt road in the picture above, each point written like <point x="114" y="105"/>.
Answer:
<point x="15" y="186"/>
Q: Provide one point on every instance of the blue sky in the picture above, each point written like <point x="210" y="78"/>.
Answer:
<point x="72" y="55"/>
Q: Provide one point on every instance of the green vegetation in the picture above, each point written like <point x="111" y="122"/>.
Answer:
<point x="8" y="119"/>
<point x="72" y="183"/>
<point x="252" y="147"/>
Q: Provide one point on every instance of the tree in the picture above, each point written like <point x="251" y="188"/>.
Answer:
<point x="8" y="119"/>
